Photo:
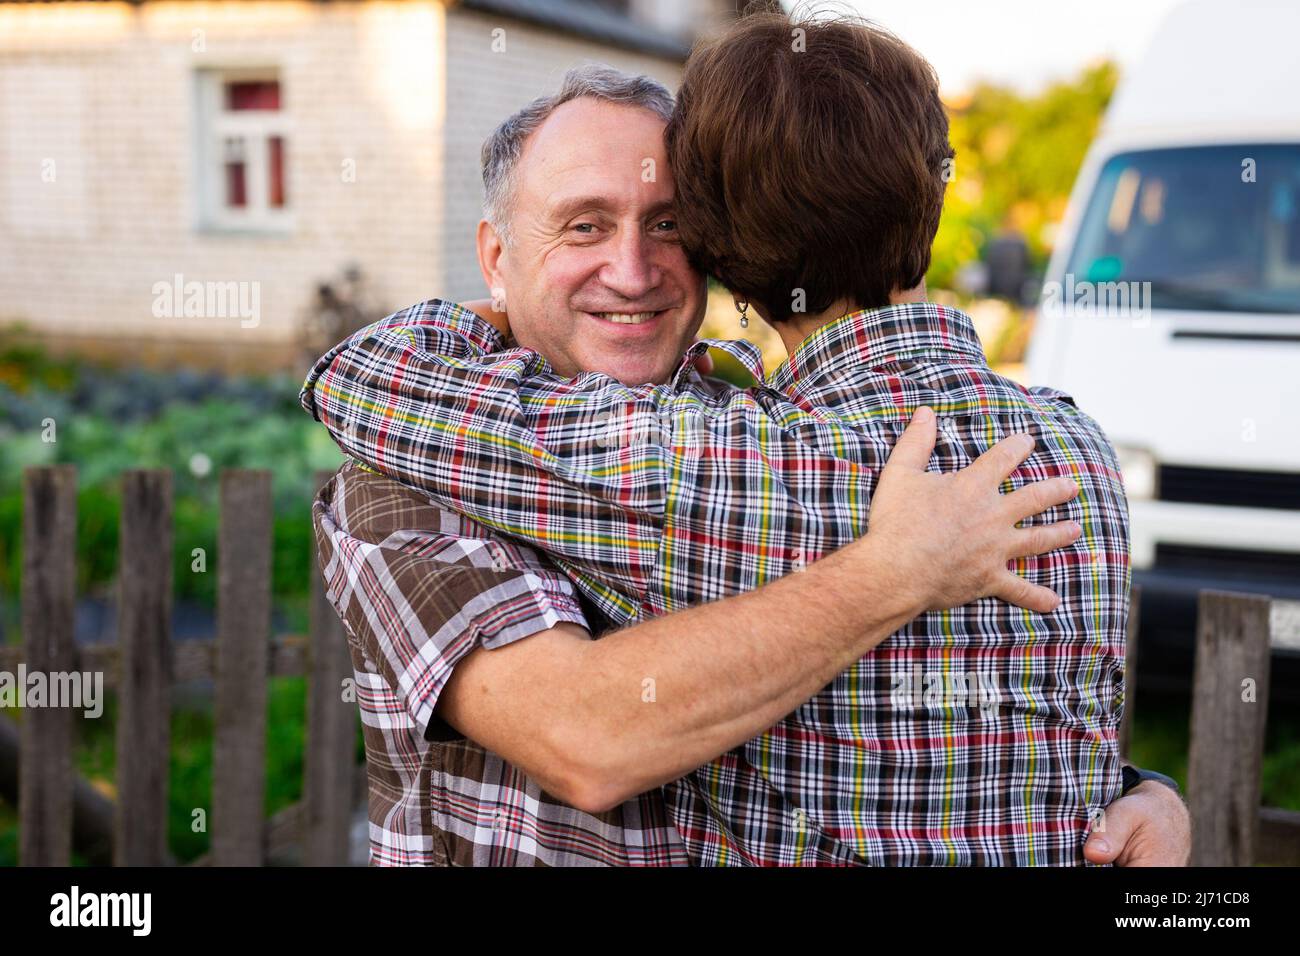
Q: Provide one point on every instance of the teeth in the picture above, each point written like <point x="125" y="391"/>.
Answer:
<point x="627" y="318"/>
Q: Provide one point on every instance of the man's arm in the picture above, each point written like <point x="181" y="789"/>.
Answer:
<point x="596" y="722"/>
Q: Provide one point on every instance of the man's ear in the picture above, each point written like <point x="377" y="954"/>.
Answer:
<point x="490" y="250"/>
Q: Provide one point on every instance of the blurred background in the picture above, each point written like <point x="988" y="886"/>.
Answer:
<point x="311" y="167"/>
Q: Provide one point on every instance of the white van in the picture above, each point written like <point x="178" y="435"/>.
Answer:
<point x="1171" y="308"/>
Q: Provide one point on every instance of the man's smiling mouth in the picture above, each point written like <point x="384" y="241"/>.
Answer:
<point x="626" y="318"/>
<point x="647" y="319"/>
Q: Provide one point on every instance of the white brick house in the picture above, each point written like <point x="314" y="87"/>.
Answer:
<point x="253" y="150"/>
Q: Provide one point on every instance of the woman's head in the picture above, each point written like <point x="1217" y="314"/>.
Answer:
<point x="809" y="158"/>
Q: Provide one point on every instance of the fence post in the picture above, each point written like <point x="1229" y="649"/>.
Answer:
<point x="1229" y="711"/>
<point x="1130" y="670"/>
<point x="243" y="649"/>
<point x="144" y="614"/>
<point x="331" y="731"/>
<point x="48" y="599"/>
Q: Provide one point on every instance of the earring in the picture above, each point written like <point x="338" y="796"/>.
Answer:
<point x="742" y="308"/>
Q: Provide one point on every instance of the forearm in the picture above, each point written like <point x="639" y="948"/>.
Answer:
<point x="659" y="699"/>
<point x="596" y="722"/>
<point x="491" y="438"/>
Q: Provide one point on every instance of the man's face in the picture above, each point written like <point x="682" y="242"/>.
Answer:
<point x="594" y="277"/>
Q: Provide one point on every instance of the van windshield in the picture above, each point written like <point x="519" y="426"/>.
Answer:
<point x="1210" y="227"/>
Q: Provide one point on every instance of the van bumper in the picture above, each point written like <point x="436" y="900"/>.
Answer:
<point x="1252" y="531"/>
<point x="1180" y="550"/>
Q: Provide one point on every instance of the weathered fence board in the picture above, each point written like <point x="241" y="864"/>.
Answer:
<point x="48" y="595"/>
<point x="1227" y="728"/>
<point x="331" y="734"/>
<point x="144" y="615"/>
<point x="243" y="636"/>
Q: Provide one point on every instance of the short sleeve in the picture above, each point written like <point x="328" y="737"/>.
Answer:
<point x="421" y="587"/>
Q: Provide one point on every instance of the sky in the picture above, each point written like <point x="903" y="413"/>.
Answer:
<point x="1026" y="44"/>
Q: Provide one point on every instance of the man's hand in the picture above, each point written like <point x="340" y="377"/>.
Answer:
<point x="1149" y="826"/>
<point x="953" y="534"/>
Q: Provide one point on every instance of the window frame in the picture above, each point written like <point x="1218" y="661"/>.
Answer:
<point x="214" y="123"/>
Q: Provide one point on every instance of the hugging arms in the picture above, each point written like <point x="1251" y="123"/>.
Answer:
<point x="396" y="395"/>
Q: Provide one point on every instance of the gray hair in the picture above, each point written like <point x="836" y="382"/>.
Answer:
<point x="501" y="150"/>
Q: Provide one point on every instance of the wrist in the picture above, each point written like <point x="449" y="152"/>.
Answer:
<point x="1135" y="777"/>
<point x="871" y="570"/>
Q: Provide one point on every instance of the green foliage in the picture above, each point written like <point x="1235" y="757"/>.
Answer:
<point x="729" y="369"/>
<point x="1016" y="161"/>
<point x="109" y="421"/>
<point x="190" y="784"/>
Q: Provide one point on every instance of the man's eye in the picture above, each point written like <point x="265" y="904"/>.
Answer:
<point x="666" y="225"/>
<point x="585" y="228"/>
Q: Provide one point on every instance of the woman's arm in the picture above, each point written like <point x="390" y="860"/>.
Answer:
<point x="580" y="468"/>
<point x="431" y="398"/>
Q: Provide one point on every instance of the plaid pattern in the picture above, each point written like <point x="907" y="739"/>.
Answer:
<point x="417" y="588"/>
<point x="981" y="735"/>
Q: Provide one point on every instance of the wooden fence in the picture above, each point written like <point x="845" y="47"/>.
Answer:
<point x="1229" y="719"/>
<point x="1227" y="732"/>
<point x="145" y="662"/>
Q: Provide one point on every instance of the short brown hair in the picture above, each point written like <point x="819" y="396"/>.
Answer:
<point x="818" y="169"/>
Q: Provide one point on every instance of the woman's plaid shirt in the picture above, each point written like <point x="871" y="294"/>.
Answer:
<point x="986" y="734"/>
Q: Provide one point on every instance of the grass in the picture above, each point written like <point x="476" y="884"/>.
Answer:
<point x="1161" y="737"/>
<point x="190" y="779"/>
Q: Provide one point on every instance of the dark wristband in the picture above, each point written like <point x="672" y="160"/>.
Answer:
<point x="1133" y="776"/>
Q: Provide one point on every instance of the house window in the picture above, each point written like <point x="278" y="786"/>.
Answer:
<point x="242" y="150"/>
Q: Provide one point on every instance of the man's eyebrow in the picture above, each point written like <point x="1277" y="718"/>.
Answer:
<point x="564" y="208"/>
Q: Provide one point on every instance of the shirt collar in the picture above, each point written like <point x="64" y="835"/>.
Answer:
<point x="873" y="337"/>
<point x="743" y="351"/>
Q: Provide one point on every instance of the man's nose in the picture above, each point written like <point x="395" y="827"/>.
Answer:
<point x="630" y="270"/>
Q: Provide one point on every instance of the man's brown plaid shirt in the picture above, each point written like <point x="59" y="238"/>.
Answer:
<point x="418" y="587"/>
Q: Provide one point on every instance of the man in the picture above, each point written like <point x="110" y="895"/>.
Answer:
<point x="579" y="715"/>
